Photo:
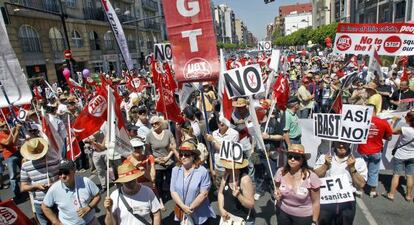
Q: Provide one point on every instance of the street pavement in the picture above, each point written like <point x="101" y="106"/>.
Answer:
<point x="377" y="211"/>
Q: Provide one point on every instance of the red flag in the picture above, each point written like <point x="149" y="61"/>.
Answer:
<point x="354" y="60"/>
<point x="404" y="61"/>
<point x="226" y="108"/>
<point x="36" y="93"/>
<point x="92" y="116"/>
<point x="55" y="141"/>
<point x="12" y="215"/>
<point x="73" y="150"/>
<point x="337" y="104"/>
<point x="281" y="91"/>
<point x="73" y="85"/>
<point x="172" y="85"/>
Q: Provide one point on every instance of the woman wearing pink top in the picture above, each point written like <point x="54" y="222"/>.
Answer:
<point x="297" y="190"/>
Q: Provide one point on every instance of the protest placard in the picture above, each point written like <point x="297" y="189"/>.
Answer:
<point x="264" y="45"/>
<point x="393" y="39"/>
<point x="163" y="52"/>
<point x="22" y="115"/>
<point x="327" y="126"/>
<point x="244" y="81"/>
<point x="355" y="123"/>
<point x="231" y="151"/>
<point x="336" y="189"/>
<point x="275" y="58"/>
<point x="191" y="33"/>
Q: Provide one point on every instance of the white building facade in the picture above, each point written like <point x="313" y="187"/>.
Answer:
<point x="296" y="21"/>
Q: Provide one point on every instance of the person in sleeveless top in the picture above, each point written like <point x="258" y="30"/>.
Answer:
<point x="236" y="196"/>
<point x="297" y="190"/>
<point x="403" y="159"/>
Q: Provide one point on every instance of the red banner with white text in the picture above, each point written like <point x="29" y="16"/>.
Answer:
<point x="393" y="39"/>
<point x="191" y="33"/>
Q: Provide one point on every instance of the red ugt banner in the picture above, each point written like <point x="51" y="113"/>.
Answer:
<point x="10" y="214"/>
<point x="191" y="33"/>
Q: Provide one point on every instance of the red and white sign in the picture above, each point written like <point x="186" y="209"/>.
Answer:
<point x="191" y="33"/>
<point x="393" y="39"/>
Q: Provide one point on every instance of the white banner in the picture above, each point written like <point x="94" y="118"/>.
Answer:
<point x="244" y="81"/>
<point x="327" y="126"/>
<point x="393" y="39"/>
<point x="336" y="189"/>
<point x="11" y="76"/>
<point x="118" y="32"/>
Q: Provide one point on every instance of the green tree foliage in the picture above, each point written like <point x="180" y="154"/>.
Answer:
<point x="231" y="46"/>
<point x="302" y="36"/>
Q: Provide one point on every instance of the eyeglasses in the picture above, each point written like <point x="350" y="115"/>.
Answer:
<point x="63" y="172"/>
<point x="295" y="157"/>
<point x="185" y="154"/>
<point x="154" y="124"/>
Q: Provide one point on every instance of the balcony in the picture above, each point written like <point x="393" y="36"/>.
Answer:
<point x="151" y="25"/>
<point x="47" y="5"/>
<point x="150" y="5"/>
<point x="93" y="14"/>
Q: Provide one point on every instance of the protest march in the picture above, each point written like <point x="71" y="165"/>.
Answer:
<point x="205" y="133"/>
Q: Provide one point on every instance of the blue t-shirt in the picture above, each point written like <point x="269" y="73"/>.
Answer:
<point x="67" y="200"/>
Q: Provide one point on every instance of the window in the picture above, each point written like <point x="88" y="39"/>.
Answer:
<point x="29" y="39"/>
<point x="77" y="39"/>
<point x="400" y="11"/>
<point x="56" y="39"/>
<point x="109" y="41"/>
<point x="131" y="42"/>
<point x="71" y="3"/>
<point x="94" y="41"/>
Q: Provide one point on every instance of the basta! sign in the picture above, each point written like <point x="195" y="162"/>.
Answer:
<point x="244" y="81"/>
<point x="393" y="39"/>
<point x="193" y="41"/>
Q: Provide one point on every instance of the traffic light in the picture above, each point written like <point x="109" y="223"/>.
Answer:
<point x="268" y="1"/>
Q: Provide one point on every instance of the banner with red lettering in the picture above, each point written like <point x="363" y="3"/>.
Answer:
<point x="12" y="215"/>
<point x="191" y="33"/>
<point x="393" y="39"/>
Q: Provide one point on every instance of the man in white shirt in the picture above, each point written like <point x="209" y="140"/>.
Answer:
<point x="132" y="203"/>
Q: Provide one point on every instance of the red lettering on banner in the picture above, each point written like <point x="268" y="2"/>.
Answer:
<point x="365" y="40"/>
<point x="191" y="33"/>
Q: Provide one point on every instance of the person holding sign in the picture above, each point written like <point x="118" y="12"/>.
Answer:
<point x="371" y="151"/>
<point x="190" y="184"/>
<point x="236" y="194"/>
<point x="340" y="163"/>
<point x="403" y="158"/>
<point x="297" y="190"/>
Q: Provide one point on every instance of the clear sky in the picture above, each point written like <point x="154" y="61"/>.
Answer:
<point x="255" y="13"/>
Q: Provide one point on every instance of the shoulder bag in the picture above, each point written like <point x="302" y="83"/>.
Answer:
<point x="178" y="212"/>
<point x="140" y="218"/>
<point x="394" y="150"/>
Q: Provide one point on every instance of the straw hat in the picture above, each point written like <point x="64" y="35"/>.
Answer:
<point x="229" y="164"/>
<point x="299" y="150"/>
<point x="189" y="147"/>
<point x="136" y="142"/>
<point x="2" y="123"/>
<point x="34" y="148"/>
<point x="71" y="99"/>
<point x="240" y="102"/>
<point x="128" y="172"/>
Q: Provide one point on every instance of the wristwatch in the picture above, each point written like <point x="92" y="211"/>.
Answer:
<point x="314" y="223"/>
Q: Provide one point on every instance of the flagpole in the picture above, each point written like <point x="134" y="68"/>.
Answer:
<point x="272" y="108"/>
<point x="107" y="142"/>
<point x="37" y="114"/>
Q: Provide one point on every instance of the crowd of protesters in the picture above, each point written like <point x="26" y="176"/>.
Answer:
<point x="181" y="162"/>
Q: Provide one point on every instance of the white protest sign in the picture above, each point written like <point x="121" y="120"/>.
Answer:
<point x="22" y="115"/>
<point x="80" y="78"/>
<point x="264" y="45"/>
<point x="148" y="59"/>
<point x="327" y="126"/>
<point x="355" y="123"/>
<point x="336" y="189"/>
<point x="231" y="151"/>
<point x="244" y="81"/>
<point x="274" y="60"/>
<point x="163" y="52"/>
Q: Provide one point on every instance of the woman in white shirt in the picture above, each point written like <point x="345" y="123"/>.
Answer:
<point x="403" y="160"/>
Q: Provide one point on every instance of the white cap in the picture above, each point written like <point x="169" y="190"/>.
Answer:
<point x="135" y="142"/>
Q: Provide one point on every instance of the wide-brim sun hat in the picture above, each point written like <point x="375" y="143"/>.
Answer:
<point x="299" y="150"/>
<point x="240" y="102"/>
<point x="128" y="172"/>
<point x="229" y="164"/>
<point x="34" y="148"/>
<point x="189" y="147"/>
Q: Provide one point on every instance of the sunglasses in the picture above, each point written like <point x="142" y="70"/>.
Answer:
<point x="295" y="157"/>
<point x="185" y="154"/>
<point x="154" y="124"/>
<point x="63" y="172"/>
